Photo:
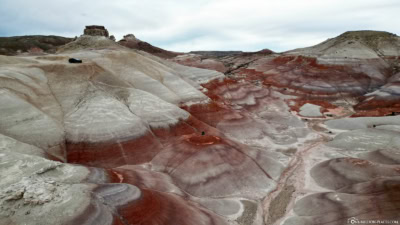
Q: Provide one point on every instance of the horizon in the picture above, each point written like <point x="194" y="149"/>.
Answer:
<point x="208" y="50"/>
<point x="204" y="25"/>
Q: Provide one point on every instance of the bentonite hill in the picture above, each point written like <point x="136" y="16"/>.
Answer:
<point x="139" y="135"/>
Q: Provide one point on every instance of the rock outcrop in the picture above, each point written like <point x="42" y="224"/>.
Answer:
<point x="95" y="30"/>
<point x="130" y="41"/>
<point x="129" y="37"/>
<point x="94" y="37"/>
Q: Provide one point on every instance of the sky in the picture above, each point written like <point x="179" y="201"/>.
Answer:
<point x="188" y="25"/>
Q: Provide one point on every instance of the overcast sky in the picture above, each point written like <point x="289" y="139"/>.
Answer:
<point x="184" y="25"/>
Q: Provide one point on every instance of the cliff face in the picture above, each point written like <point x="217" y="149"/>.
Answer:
<point x="127" y="137"/>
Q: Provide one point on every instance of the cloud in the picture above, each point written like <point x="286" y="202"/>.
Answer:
<point x="181" y="25"/>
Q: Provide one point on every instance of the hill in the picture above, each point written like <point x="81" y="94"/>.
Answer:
<point x="31" y="43"/>
<point x="355" y="44"/>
